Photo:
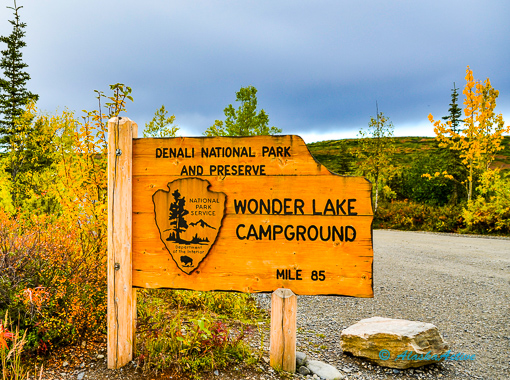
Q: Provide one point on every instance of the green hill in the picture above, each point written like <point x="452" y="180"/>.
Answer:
<point x="337" y="155"/>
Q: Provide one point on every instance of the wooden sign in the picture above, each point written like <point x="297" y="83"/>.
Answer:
<point x="250" y="214"/>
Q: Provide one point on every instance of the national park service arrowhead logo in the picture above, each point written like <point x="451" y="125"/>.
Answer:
<point x="189" y="218"/>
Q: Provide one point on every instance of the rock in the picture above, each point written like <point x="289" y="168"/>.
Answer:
<point x="65" y="364"/>
<point x="382" y="340"/>
<point x="301" y="359"/>
<point x="304" y="370"/>
<point x="81" y="375"/>
<point x="100" y="356"/>
<point x="324" y="371"/>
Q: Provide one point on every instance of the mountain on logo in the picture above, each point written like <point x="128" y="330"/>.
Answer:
<point x="202" y="224"/>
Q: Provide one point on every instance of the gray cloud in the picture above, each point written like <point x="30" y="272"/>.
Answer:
<point x="319" y="66"/>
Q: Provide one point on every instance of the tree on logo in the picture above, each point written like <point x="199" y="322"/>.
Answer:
<point x="177" y="214"/>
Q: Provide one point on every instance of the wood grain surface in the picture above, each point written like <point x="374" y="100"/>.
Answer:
<point x="282" y="350"/>
<point x="288" y="221"/>
<point x="121" y="297"/>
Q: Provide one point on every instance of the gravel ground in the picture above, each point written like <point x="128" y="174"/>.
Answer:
<point x="459" y="283"/>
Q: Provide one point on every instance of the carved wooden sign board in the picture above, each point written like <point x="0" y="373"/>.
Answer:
<point x="248" y="214"/>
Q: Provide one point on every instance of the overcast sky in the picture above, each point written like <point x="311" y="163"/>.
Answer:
<point x="319" y="66"/>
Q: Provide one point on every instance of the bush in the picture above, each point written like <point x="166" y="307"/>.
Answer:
<point x="50" y="280"/>
<point x="410" y="183"/>
<point x="410" y="216"/>
<point x="489" y="212"/>
<point x="225" y="304"/>
<point x="193" y="331"/>
<point x="53" y="260"/>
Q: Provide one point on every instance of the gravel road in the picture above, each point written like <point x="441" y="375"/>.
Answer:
<point x="459" y="283"/>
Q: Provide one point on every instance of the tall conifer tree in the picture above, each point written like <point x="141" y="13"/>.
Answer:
<point x="13" y="92"/>
<point x="452" y="157"/>
<point x="455" y="111"/>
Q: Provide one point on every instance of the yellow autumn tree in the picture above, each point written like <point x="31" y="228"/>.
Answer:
<point x="56" y="256"/>
<point x="480" y="139"/>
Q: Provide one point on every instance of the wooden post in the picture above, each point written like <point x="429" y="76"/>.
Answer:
<point x="283" y="330"/>
<point x="121" y="298"/>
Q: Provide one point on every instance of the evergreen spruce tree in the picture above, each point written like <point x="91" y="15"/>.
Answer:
<point x="13" y="92"/>
<point x="451" y="158"/>
<point x="455" y="111"/>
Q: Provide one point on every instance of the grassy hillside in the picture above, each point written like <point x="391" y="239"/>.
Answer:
<point x="419" y="204"/>
<point x="336" y="154"/>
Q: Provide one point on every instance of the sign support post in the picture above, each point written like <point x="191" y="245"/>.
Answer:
<point x="283" y="330"/>
<point x="121" y="297"/>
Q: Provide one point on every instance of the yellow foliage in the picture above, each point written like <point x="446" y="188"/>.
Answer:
<point x="5" y="192"/>
<point x="481" y="138"/>
<point x="489" y="212"/>
<point x="65" y="294"/>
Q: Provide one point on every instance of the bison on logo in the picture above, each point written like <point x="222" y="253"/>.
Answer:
<point x="188" y="217"/>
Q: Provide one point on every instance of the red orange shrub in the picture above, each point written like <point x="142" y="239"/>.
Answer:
<point x="59" y="290"/>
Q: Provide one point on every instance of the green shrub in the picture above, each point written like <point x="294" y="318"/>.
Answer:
<point x="410" y="184"/>
<point x="225" y="304"/>
<point x="410" y="216"/>
<point x="489" y="212"/>
<point x="193" y="331"/>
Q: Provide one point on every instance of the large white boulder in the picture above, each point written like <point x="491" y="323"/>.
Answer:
<point x="395" y="343"/>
